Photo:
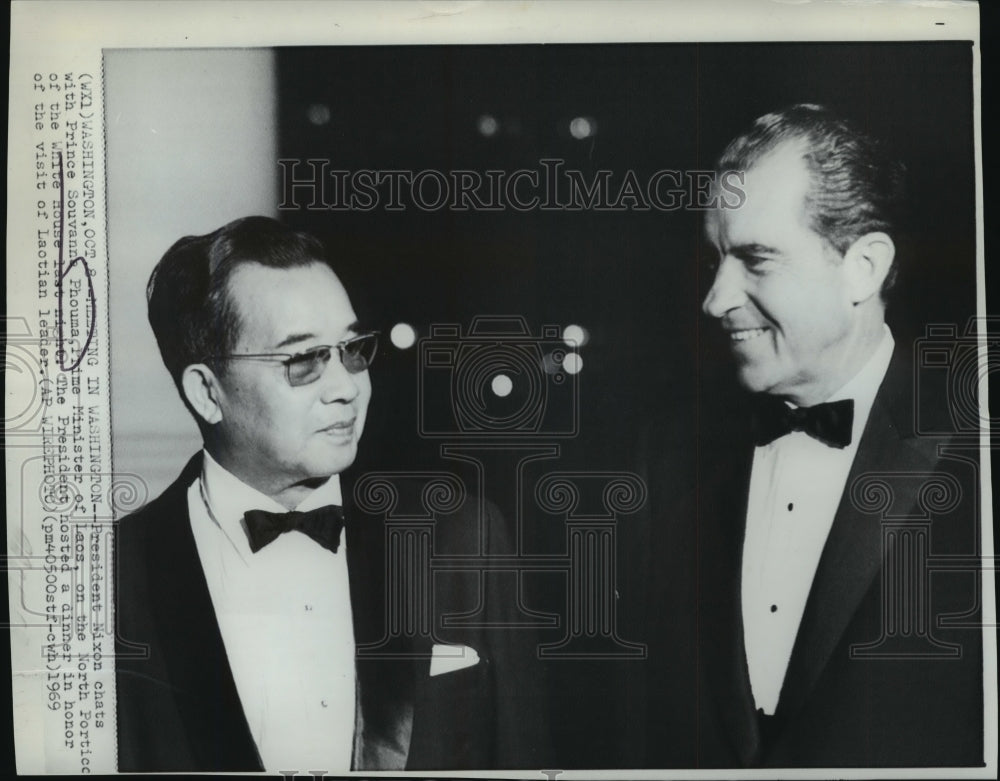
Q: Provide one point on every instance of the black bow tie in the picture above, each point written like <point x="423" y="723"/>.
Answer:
<point x="322" y="524"/>
<point x="831" y="423"/>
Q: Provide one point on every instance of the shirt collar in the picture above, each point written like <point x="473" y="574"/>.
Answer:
<point x="864" y="385"/>
<point x="227" y="498"/>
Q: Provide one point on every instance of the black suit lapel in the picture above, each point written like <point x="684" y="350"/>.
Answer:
<point x="191" y="643"/>
<point x="852" y="557"/>
<point x="726" y="476"/>
<point x="847" y="569"/>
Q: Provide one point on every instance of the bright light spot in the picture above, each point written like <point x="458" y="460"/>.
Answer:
<point x="318" y="113"/>
<point x="582" y="127"/>
<point x="575" y="335"/>
<point x="488" y="125"/>
<point x="501" y="385"/>
<point x="573" y="363"/>
<point x="403" y="336"/>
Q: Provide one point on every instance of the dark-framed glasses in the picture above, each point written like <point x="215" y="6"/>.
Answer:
<point x="356" y="354"/>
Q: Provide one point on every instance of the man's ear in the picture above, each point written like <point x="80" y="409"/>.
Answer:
<point x="867" y="263"/>
<point x="201" y="387"/>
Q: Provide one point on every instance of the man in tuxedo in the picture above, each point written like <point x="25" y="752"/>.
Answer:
<point x="245" y="598"/>
<point x="794" y="597"/>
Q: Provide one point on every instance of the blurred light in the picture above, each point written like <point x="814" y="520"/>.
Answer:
<point x="488" y="125"/>
<point x="575" y="335"/>
<point x="501" y="385"/>
<point x="318" y="114"/>
<point x="582" y="127"/>
<point x="403" y="336"/>
<point x="573" y="363"/>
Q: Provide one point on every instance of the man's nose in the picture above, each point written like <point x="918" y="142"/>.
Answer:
<point x="727" y="291"/>
<point x="339" y="385"/>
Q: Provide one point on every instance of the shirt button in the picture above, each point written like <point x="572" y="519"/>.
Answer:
<point x="774" y="608"/>
<point x="309" y="608"/>
<point x="323" y="703"/>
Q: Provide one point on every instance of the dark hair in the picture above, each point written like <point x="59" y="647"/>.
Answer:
<point x="189" y="306"/>
<point x="856" y="187"/>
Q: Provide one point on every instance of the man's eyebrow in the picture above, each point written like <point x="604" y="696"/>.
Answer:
<point x="354" y="327"/>
<point x="750" y="250"/>
<point x="294" y="339"/>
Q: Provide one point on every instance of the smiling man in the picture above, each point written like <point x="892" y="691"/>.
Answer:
<point x="791" y="576"/>
<point x="802" y="317"/>
<point x="243" y="592"/>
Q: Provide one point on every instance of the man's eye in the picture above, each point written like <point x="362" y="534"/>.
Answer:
<point x="755" y="262"/>
<point x="303" y="358"/>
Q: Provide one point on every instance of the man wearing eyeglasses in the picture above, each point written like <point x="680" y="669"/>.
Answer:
<point x="238" y="606"/>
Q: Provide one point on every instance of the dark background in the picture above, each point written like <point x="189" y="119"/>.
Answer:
<point x="633" y="279"/>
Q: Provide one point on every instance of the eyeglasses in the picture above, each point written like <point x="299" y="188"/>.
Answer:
<point x="356" y="354"/>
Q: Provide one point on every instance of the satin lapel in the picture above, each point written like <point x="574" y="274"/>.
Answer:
<point x="192" y="644"/>
<point x="726" y="477"/>
<point x="386" y="674"/>
<point x="852" y="557"/>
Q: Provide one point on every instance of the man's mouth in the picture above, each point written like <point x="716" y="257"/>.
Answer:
<point x="342" y="428"/>
<point x="745" y="334"/>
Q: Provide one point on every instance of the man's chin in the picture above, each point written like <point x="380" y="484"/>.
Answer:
<point x="749" y="377"/>
<point x="336" y="462"/>
<point x="754" y="380"/>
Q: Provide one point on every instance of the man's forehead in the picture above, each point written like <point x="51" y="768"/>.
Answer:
<point x="781" y="172"/>
<point x="775" y="189"/>
<point x="274" y="304"/>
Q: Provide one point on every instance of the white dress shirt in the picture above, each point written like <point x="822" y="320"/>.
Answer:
<point x="285" y="617"/>
<point x="796" y="485"/>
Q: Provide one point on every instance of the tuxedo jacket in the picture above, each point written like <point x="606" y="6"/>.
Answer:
<point x="864" y="687"/>
<point x="178" y="706"/>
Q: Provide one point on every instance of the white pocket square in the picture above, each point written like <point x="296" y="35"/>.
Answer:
<point x="449" y="658"/>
